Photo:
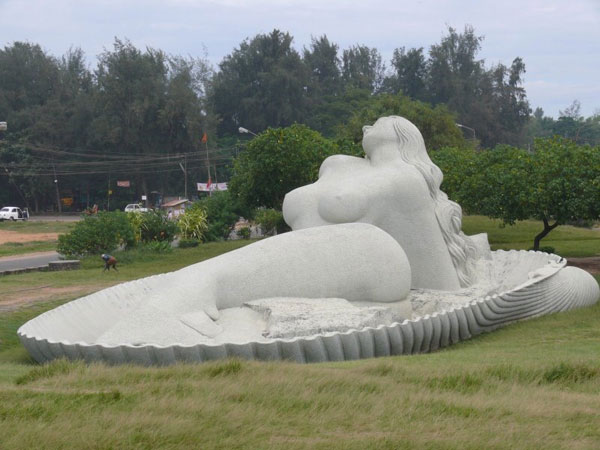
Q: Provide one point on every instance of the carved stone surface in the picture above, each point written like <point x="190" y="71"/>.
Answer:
<point x="552" y="288"/>
<point x="365" y="234"/>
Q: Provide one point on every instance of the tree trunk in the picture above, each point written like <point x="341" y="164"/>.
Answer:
<point x="547" y="229"/>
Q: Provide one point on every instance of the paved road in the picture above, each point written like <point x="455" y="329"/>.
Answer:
<point x="24" y="262"/>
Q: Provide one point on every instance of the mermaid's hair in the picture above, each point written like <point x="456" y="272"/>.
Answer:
<point x="448" y="213"/>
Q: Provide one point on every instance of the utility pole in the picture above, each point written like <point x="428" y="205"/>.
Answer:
<point x="57" y="190"/>
<point x="184" y="169"/>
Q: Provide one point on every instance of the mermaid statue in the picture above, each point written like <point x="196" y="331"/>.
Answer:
<point x="372" y="238"/>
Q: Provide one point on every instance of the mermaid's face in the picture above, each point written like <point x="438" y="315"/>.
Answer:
<point x="379" y="134"/>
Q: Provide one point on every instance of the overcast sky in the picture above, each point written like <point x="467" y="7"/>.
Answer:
<point x="559" y="40"/>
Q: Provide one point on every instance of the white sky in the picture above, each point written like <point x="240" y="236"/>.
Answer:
<point x="559" y="40"/>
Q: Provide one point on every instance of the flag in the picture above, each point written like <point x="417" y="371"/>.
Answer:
<point x="209" y="183"/>
<point x="204" y="138"/>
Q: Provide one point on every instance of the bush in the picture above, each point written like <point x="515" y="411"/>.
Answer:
<point x="97" y="234"/>
<point x="187" y="243"/>
<point x="222" y="212"/>
<point x="156" y="226"/>
<point x="270" y="219"/>
<point x="546" y="249"/>
<point x="244" y="232"/>
<point x="135" y="220"/>
<point x="192" y="223"/>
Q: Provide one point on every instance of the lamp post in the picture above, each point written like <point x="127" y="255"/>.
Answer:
<point x="246" y="131"/>
<point x="467" y="128"/>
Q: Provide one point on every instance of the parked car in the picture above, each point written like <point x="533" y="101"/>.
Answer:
<point x="13" y="213"/>
<point x="134" y="207"/>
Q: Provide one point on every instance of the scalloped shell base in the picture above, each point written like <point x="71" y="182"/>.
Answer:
<point x="551" y="287"/>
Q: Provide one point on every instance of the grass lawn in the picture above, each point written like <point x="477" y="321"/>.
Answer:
<point x="534" y="384"/>
<point x="567" y="240"/>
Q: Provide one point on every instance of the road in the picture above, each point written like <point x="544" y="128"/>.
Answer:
<point x="26" y="261"/>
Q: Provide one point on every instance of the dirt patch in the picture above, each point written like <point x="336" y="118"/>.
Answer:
<point x="14" y="236"/>
<point x="18" y="298"/>
<point x="591" y="264"/>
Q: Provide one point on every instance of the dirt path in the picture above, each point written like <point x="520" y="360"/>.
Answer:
<point x="15" y="236"/>
<point x="18" y="298"/>
<point x="591" y="264"/>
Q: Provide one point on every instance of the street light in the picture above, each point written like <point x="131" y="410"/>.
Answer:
<point x="247" y="131"/>
<point x="467" y="128"/>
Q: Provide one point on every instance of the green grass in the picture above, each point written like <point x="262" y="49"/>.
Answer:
<point x="568" y="241"/>
<point x="18" y="248"/>
<point x="534" y="384"/>
<point x="531" y="385"/>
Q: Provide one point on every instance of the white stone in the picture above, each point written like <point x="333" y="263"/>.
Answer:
<point x="365" y="233"/>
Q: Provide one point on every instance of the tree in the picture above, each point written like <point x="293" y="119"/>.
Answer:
<point x="362" y="68"/>
<point x="410" y="71"/>
<point x="277" y="161"/>
<point x="558" y="183"/>
<point x="492" y="102"/>
<point x="260" y="84"/>
<point x="437" y="124"/>
<point x="324" y="67"/>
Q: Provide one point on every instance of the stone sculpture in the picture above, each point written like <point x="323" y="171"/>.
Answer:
<point x="376" y="245"/>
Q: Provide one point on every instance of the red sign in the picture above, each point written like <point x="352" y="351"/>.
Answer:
<point x="124" y="183"/>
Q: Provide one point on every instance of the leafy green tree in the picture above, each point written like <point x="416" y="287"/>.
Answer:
<point x="558" y="183"/>
<point x="363" y="68"/>
<point x="492" y="102"/>
<point x="410" y="71"/>
<point x="260" y="84"/>
<point x="324" y="67"/>
<point x="436" y="124"/>
<point x="277" y="161"/>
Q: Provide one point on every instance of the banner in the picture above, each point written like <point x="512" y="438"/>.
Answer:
<point x="124" y="183"/>
<point x="212" y="187"/>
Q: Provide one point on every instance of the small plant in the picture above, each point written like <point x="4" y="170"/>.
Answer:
<point x="244" y="232"/>
<point x="270" y="220"/>
<point x="193" y="223"/>
<point x="188" y="243"/>
<point x="155" y="226"/>
<point x="158" y="247"/>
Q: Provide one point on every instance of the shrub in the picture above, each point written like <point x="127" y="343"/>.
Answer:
<point x="244" y="232"/>
<point x="187" y="243"/>
<point x="192" y="223"/>
<point x="96" y="234"/>
<point x="222" y="211"/>
<point x="135" y="220"/>
<point x="270" y="219"/>
<point x="156" y="226"/>
<point x="546" y="249"/>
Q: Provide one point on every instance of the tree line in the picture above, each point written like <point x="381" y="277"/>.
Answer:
<point x="140" y="115"/>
